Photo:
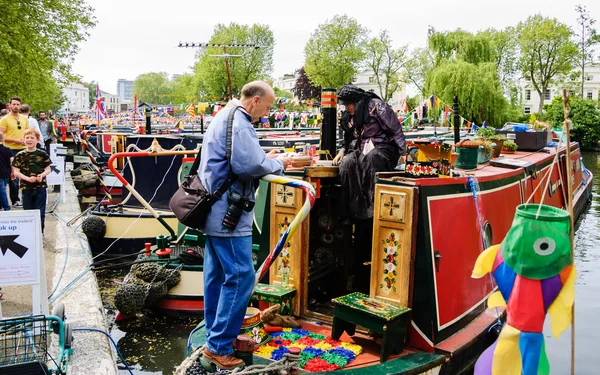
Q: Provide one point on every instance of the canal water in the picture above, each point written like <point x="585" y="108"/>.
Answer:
<point x="154" y="345"/>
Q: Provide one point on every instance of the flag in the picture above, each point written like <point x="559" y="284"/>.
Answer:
<point x="446" y="114"/>
<point x="100" y="108"/>
<point x="190" y="110"/>
<point x="216" y="109"/>
<point x="484" y="125"/>
<point x="432" y="99"/>
<point x="202" y="107"/>
<point x="179" y="126"/>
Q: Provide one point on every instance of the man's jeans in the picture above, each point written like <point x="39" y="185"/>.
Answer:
<point x="35" y="199"/>
<point x="228" y="285"/>
<point x="4" y="181"/>
<point x="14" y="184"/>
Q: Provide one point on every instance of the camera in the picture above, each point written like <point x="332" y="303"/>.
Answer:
<point x="237" y="205"/>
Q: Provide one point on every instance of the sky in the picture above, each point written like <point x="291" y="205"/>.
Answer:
<point x="133" y="37"/>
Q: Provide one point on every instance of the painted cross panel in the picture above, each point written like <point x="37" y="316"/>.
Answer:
<point x="285" y="196"/>
<point x="392" y="206"/>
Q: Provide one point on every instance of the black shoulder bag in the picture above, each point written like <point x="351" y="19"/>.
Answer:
<point x="191" y="203"/>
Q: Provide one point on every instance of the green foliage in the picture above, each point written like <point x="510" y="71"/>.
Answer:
<point x="584" y="115"/>
<point x="546" y="51"/>
<point x="418" y="67"/>
<point x="153" y="88"/>
<point x="510" y="146"/>
<point x="92" y="92"/>
<point x="460" y="44"/>
<point x="477" y="87"/>
<point x="281" y="93"/>
<point x="210" y="75"/>
<point x="486" y="132"/>
<point x="335" y="51"/>
<point x="386" y="62"/>
<point x="38" y="40"/>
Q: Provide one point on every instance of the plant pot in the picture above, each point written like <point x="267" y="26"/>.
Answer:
<point x="498" y="147"/>
<point x="484" y="156"/>
<point x="467" y="158"/>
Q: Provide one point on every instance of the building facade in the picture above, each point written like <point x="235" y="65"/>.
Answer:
<point x="591" y="90"/>
<point x="365" y="79"/>
<point x="285" y="83"/>
<point x="125" y="89"/>
<point x="77" y="99"/>
<point x="112" y="103"/>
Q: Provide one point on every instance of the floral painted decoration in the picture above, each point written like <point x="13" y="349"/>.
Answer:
<point x="391" y="246"/>
<point x="284" y="265"/>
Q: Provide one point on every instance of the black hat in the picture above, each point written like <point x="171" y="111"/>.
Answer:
<point x="349" y="94"/>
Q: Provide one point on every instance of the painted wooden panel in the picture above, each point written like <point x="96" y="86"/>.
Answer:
<point x="456" y="237"/>
<point x="391" y="255"/>
<point x="285" y="204"/>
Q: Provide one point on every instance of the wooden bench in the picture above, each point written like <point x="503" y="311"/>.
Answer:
<point x="380" y="316"/>
<point x="267" y="294"/>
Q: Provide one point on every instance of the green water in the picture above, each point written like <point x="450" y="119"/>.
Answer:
<point x="155" y="344"/>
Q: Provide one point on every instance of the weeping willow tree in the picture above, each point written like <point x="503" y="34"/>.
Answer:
<point x="477" y="86"/>
<point x="466" y="65"/>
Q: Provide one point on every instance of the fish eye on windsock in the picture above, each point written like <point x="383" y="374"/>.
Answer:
<point x="544" y="246"/>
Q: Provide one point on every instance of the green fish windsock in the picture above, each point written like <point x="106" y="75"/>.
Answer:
<point x="534" y="272"/>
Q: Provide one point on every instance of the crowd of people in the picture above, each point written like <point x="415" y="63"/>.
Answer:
<point x="24" y="159"/>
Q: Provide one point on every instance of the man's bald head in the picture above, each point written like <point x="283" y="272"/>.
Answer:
<point x="257" y="98"/>
<point x="257" y="88"/>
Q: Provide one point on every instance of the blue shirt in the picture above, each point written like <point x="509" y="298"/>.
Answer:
<point x="248" y="161"/>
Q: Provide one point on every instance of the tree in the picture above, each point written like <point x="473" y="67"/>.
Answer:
<point x="210" y="74"/>
<point x="38" y="40"/>
<point x="281" y="93"/>
<point x="477" y="86"/>
<point x="92" y="92"/>
<point x="504" y="53"/>
<point x="585" y="117"/>
<point x="153" y="88"/>
<point x="546" y="52"/>
<point x="587" y="39"/>
<point x="304" y="88"/>
<point x="386" y="63"/>
<point x="420" y="63"/>
<point x="183" y="89"/>
<point x="335" y="51"/>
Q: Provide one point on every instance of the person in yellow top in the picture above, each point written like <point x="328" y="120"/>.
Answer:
<point x="13" y="127"/>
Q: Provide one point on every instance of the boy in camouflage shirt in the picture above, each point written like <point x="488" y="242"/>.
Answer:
<point x="31" y="166"/>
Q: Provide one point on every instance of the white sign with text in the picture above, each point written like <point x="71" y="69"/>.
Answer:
<point x="21" y="254"/>
<point x="57" y="171"/>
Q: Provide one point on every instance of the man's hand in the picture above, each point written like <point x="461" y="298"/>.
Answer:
<point x="338" y="158"/>
<point x="32" y="179"/>
<point x="285" y="160"/>
<point x="273" y="154"/>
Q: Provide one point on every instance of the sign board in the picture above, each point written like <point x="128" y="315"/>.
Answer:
<point x="22" y="254"/>
<point x="81" y="159"/>
<point x="57" y="171"/>
<point x="57" y="149"/>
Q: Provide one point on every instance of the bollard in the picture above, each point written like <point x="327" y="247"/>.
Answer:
<point x="328" y="129"/>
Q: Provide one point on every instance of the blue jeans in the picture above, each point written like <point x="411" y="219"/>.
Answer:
<point x="228" y="285"/>
<point x="35" y="199"/>
<point x="4" y="181"/>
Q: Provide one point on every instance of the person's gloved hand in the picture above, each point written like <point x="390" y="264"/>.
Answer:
<point x="338" y="158"/>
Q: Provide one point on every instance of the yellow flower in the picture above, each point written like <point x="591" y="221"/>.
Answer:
<point x="390" y="275"/>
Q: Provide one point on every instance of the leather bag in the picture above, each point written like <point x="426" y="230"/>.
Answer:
<point x="191" y="203"/>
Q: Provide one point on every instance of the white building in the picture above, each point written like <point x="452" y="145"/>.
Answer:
<point x="365" y="79"/>
<point x="285" y="83"/>
<point x="591" y="90"/>
<point x="112" y="103"/>
<point x="125" y="89"/>
<point x="77" y="99"/>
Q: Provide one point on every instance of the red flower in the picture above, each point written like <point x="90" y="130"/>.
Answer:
<point x="389" y="283"/>
<point x="429" y="169"/>
<point x="435" y="164"/>
<point x="389" y="258"/>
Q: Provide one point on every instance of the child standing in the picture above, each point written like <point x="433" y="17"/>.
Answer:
<point x="32" y="165"/>
<point x="6" y="159"/>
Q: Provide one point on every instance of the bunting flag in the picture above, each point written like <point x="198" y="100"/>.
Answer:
<point x="179" y="125"/>
<point x="484" y="125"/>
<point x="190" y="110"/>
<point x="432" y="100"/>
<point x="446" y="114"/>
<point x="216" y="109"/>
<point x="202" y="107"/>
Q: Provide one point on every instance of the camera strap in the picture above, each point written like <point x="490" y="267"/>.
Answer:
<point x="230" y="176"/>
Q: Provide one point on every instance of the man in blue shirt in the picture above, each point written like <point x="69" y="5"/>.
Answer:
<point x="228" y="268"/>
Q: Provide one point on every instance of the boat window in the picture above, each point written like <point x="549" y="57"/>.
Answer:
<point x="487" y="234"/>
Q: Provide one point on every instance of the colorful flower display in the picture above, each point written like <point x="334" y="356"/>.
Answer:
<point x="319" y="353"/>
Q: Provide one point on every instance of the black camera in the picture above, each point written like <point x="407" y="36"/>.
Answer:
<point x="237" y="205"/>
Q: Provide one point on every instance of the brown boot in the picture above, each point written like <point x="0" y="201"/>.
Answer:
<point x="224" y="362"/>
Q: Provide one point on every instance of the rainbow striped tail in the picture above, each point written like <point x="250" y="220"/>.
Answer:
<point x="514" y="353"/>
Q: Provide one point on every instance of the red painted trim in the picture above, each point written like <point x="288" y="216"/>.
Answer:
<point x="188" y="160"/>
<point x="180" y="305"/>
<point x="119" y="155"/>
